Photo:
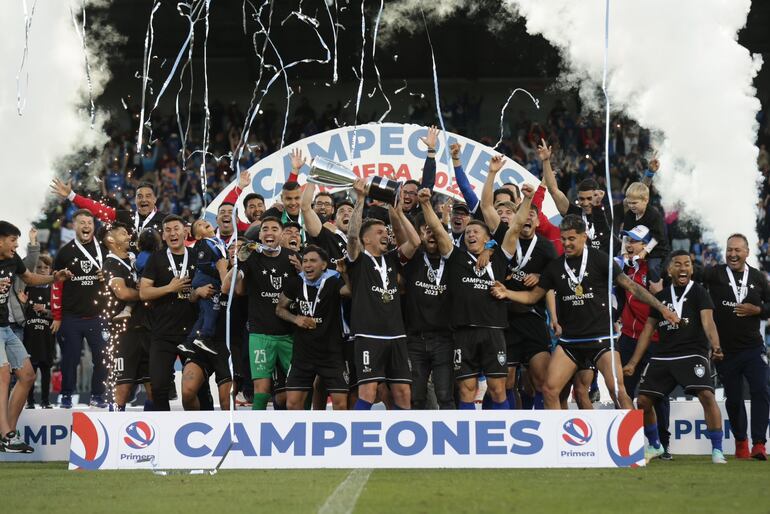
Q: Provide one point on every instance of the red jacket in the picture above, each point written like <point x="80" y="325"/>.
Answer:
<point x="546" y="228"/>
<point x="635" y="312"/>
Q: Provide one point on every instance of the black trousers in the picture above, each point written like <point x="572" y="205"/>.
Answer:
<point x="752" y="365"/>
<point x="432" y="353"/>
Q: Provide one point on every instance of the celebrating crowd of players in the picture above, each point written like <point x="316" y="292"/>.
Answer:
<point x="363" y="302"/>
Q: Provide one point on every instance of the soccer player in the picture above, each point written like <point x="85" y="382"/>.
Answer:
<point x="262" y="277"/>
<point x="166" y="284"/>
<point x="13" y="356"/>
<point x="77" y="309"/>
<point x="580" y="281"/>
<point x="146" y="215"/>
<point x="381" y="354"/>
<point x="589" y="203"/>
<point x="332" y="238"/>
<point x="323" y="206"/>
<point x="290" y="200"/>
<point x="633" y="319"/>
<point x="741" y="298"/>
<point x="681" y="357"/>
<point x="429" y="336"/>
<point x="130" y="340"/>
<point x="318" y="349"/>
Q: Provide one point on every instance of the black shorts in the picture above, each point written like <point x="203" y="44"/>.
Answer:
<point x="279" y="380"/>
<point x="586" y="355"/>
<point x="217" y="365"/>
<point x="480" y="350"/>
<point x="349" y="354"/>
<point x="663" y="374"/>
<point x="525" y="337"/>
<point x="382" y="360"/>
<point x="131" y="355"/>
<point x="332" y="373"/>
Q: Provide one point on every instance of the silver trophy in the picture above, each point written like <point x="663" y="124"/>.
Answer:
<point x="326" y="172"/>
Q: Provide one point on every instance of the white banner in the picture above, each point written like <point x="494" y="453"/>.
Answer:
<point x="357" y="439"/>
<point x="384" y="149"/>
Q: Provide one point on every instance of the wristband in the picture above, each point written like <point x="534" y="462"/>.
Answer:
<point x="490" y="244"/>
<point x="71" y="196"/>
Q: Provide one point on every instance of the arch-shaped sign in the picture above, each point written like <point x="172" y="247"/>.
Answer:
<point x="385" y="149"/>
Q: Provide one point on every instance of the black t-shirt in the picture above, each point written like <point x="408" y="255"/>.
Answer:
<point x="542" y="255"/>
<point x="8" y="269"/>
<point x="129" y="218"/>
<point x="333" y="243"/>
<point x="736" y="333"/>
<point x="582" y="318"/>
<point x="172" y="314"/>
<point x="427" y="302"/>
<point x="653" y="221"/>
<point x="596" y="224"/>
<point x="472" y="303"/>
<point x="371" y="314"/>
<point x="239" y="315"/>
<point x="83" y="295"/>
<point x="115" y="267"/>
<point x="689" y="339"/>
<point x="324" y="341"/>
<point x="265" y="277"/>
<point x="38" y="339"/>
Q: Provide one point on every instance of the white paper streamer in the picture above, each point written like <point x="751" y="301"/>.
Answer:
<point x="505" y="106"/>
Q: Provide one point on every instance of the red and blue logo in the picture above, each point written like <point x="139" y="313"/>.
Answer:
<point x="89" y="444"/>
<point x="139" y="435"/>
<point x="577" y="432"/>
<point x="624" y="431"/>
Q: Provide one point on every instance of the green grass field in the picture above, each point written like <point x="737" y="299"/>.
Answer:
<point x="688" y="484"/>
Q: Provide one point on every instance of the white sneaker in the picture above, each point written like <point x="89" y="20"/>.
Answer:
<point x="650" y="452"/>
<point x="717" y="457"/>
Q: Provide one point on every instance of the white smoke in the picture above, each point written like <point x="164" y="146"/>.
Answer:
<point x="56" y="117"/>
<point x="677" y="69"/>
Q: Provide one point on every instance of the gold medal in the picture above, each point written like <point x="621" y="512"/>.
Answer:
<point x="579" y="289"/>
<point x="184" y="294"/>
<point x="387" y="297"/>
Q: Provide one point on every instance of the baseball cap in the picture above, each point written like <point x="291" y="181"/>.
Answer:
<point x="638" y="233"/>
<point x="461" y="206"/>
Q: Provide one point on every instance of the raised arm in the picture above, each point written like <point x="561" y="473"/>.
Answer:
<point x="462" y="179"/>
<point x="429" y="168"/>
<point x="406" y="235"/>
<point x="559" y="198"/>
<point x="443" y="241"/>
<point x="297" y="161"/>
<point x="354" y="225"/>
<point x="512" y="234"/>
<point x="652" y="168"/>
<point x="64" y="191"/>
<point x="313" y="223"/>
<point x="491" y="218"/>
<point x="642" y="294"/>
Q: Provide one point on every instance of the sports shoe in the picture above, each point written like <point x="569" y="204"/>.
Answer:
<point x="200" y="343"/>
<point x="30" y="405"/>
<point x="666" y="455"/>
<point x="650" y="452"/>
<point x="717" y="457"/>
<point x="758" y="451"/>
<point x="98" y="402"/>
<point x="13" y="443"/>
<point x="65" y="402"/>
<point x="742" y="449"/>
<point x="46" y="405"/>
<point x="240" y="400"/>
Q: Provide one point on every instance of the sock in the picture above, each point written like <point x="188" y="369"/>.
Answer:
<point x="538" y="402"/>
<point x="362" y="405"/>
<point x="467" y="406"/>
<point x="503" y="405"/>
<point x="486" y="403"/>
<point x="396" y="407"/>
<point x="510" y="395"/>
<point x="260" y="401"/>
<point x="651" y="432"/>
<point x="716" y="439"/>
<point x="148" y="405"/>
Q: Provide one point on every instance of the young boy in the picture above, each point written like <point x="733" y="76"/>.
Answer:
<point x="38" y="338"/>
<point x="212" y="267"/>
<point x="640" y="213"/>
